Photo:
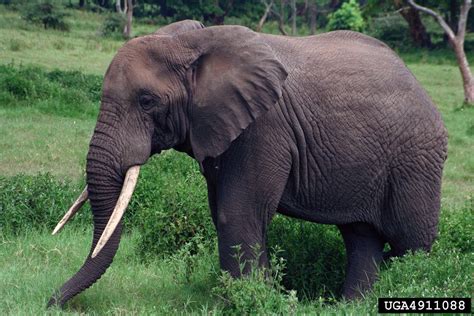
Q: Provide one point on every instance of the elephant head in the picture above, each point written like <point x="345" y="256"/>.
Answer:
<point x="186" y="87"/>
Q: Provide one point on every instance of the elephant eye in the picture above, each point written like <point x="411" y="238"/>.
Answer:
<point x="146" y="101"/>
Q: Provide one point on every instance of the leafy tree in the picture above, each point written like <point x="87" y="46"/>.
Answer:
<point x="113" y="25"/>
<point x="456" y="39"/>
<point x="348" y="17"/>
<point x="418" y="31"/>
<point x="46" y="14"/>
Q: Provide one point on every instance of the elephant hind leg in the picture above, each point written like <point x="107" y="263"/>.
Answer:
<point x="364" y="249"/>
<point x="410" y="216"/>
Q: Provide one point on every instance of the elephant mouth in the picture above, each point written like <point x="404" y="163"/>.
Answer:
<point x="128" y="187"/>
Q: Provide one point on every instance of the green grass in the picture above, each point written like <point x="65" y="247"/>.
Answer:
<point x="35" y="142"/>
<point x="35" y="263"/>
<point x="80" y="49"/>
<point x="46" y="120"/>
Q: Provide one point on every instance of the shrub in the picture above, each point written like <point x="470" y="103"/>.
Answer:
<point x="46" y="14"/>
<point x="348" y="17"/>
<point x="314" y="253"/>
<point x="64" y="93"/>
<point x="170" y="206"/>
<point x="35" y="202"/>
<point x="456" y="227"/>
<point x="113" y="25"/>
<point x="256" y="293"/>
<point x="392" y="29"/>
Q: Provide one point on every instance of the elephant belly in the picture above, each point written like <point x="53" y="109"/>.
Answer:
<point x="344" y="194"/>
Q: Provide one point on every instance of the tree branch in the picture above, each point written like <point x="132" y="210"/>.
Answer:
<point x="268" y="7"/>
<point x="281" y="22"/>
<point x="437" y="17"/>
<point x="465" y="7"/>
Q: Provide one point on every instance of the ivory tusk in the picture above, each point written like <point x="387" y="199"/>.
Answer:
<point x="76" y="206"/>
<point x="125" y="195"/>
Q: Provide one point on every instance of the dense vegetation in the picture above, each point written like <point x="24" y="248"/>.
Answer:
<point x="50" y="83"/>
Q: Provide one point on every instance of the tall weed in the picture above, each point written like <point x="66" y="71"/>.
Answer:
<point x="260" y="292"/>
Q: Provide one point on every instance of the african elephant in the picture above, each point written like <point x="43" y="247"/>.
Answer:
<point x="331" y="128"/>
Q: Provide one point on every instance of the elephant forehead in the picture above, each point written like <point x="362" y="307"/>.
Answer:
<point x="127" y="73"/>
<point x="162" y="49"/>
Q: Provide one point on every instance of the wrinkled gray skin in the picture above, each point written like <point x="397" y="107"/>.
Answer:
<point x="331" y="128"/>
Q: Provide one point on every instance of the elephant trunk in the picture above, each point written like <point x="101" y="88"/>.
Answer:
<point x="104" y="182"/>
<point x="92" y="269"/>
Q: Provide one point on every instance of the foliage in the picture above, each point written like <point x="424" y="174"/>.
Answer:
<point x="391" y="29"/>
<point x="47" y="14"/>
<point x="34" y="263"/>
<point x="260" y="292"/>
<point x="207" y="11"/>
<point x="170" y="206"/>
<point x="456" y="229"/>
<point x="34" y="202"/>
<point x="348" y="17"/>
<point x="113" y="25"/>
<point x="322" y="257"/>
<point x="68" y="93"/>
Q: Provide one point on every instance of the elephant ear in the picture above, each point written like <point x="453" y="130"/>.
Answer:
<point x="236" y="78"/>
<point x="179" y="27"/>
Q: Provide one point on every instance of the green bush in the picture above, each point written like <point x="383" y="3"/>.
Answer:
<point x="259" y="293"/>
<point x="170" y="206"/>
<point x="47" y="14"/>
<point x="64" y="93"/>
<point x="113" y="25"/>
<point x="392" y="29"/>
<point x="348" y="17"/>
<point x="314" y="253"/>
<point x="35" y="202"/>
<point x="456" y="227"/>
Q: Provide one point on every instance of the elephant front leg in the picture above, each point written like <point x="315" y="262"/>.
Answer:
<point x="241" y="243"/>
<point x="242" y="217"/>
<point x="243" y="208"/>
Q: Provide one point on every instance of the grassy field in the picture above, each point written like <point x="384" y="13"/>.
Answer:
<point x="46" y="120"/>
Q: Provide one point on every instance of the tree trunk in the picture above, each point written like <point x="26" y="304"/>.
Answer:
<point x="457" y="42"/>
<point x="118" y="6"/>
<point x="281" y="20"/>
<point x="452" y="19"/>
<point x="312" y="11"/>
<point x="417" y="29"/>
<point x="334" y="4"/>
<point x="128" y="25"/>
<point x="82" y="3"/>
<point x="293" y="17"/>
<point x="466" y="74"/>
<point x="263" y="19"/>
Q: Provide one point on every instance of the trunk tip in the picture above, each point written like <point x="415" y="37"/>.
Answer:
<point x="55" y="300"/>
